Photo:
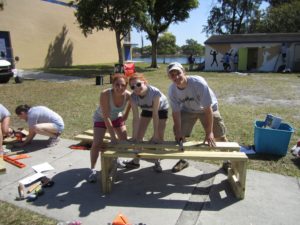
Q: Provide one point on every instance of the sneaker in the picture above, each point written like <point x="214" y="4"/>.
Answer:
<point x="226" y="165"/>
<point x="157" y="168"/>
<point x="180" y="165"/>
<point x="53" y="141"/>
<point x="131" y="164"/>
<point x="120" y="164"/>
<point x="93" y="177"/>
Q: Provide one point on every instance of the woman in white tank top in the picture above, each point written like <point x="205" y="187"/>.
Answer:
<point x="109" y="116"/>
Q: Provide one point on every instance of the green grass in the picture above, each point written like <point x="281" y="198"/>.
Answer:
<point x="242" y="100"/>
<point x="12" y="215"/>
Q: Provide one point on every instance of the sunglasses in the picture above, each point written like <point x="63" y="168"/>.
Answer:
<point x="138" y="84"/>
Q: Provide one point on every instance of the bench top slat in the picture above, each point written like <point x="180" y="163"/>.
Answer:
<point x="240" y="156"/>
<point x="197" y="145"/>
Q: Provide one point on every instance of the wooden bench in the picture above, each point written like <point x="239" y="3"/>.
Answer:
<point x="169" y="150"/>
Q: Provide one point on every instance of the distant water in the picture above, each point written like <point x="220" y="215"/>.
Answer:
<point x="182" y="60"/>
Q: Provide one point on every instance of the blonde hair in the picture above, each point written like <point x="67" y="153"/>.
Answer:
<point x="139" y="76"/>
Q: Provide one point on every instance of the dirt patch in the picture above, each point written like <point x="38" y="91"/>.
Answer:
<point x="257" y="100"/>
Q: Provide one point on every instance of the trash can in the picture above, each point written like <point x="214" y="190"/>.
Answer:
<point x="272" y="141"/>
<point x="99" y="80"/>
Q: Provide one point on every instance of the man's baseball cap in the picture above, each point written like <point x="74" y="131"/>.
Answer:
<point x="174" y="66"/>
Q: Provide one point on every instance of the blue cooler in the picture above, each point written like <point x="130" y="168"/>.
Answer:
<point x="272" y="141"/>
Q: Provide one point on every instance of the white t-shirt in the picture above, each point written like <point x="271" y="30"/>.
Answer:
<point x="3" y="112"/>
<point x="194" y="98"/>
<point x="42" y="114"/>
<point x="146" y="102"/>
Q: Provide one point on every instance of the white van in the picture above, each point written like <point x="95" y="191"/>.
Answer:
<point x="5" y="71"/>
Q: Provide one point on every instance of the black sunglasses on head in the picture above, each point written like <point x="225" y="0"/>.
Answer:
<point x="138" y="84"/>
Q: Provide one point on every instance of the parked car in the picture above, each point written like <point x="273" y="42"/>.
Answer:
<point x="5" y="71"/>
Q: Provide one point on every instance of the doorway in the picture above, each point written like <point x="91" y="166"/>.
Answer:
<point x="252" y="59"/>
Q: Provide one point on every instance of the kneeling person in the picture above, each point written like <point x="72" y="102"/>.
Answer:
<point x="41" y="120"/>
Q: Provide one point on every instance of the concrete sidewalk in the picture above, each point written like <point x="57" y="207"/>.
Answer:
<point x="198" y="195"/>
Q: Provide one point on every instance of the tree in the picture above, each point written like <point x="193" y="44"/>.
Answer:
<point x="282" y="18"/>
<point x="192" y="47"/>
<point x="231" y="16"/>
<point x="166" y="44"/>
<point x="157" y="17"/>
<point x="115" y="15"/>
<point x="275" y="3"/>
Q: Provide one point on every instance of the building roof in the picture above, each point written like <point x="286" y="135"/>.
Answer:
<point x="254" y="38"/>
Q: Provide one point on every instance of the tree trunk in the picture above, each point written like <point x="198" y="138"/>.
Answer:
<point x="154" y="52"/>
<point x="119" y="47"/>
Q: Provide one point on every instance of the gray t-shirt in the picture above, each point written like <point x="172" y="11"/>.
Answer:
<point x="194" y="98"/>
<point x="42" y="114"/>
<point x="146" y="102"/>
<point x="3" y="112"/>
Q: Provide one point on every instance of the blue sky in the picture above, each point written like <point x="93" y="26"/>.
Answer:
<point x="190" y="29"/>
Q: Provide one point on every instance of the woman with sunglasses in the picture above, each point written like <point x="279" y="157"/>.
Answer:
<point x="109" y="116"/>
<point x="154" y="105"/>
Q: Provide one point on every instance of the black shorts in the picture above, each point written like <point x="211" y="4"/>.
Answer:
<point x="162" y="114"/>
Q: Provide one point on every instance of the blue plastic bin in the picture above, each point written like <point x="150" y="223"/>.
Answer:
<point x="272" y="141"/>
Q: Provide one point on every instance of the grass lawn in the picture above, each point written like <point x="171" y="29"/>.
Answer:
<point x="242" y="100"/>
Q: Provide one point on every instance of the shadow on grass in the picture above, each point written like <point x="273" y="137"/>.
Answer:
<point x="296" y="162"/>
<point x="265" y="157"/>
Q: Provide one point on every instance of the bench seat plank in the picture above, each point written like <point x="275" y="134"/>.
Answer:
<point x="172" y="145"/>
<point x="202" y="155"/>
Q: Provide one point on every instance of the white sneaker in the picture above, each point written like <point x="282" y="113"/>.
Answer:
<point x="120" y="164"/>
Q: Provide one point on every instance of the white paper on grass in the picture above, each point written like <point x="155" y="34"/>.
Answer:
<point x="42" y="167"/>
<point x="31" y="179"/>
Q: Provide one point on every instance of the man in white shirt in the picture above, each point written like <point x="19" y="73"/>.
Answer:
<point x="192" y="99"/>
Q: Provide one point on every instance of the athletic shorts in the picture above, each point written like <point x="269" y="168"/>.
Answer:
<point x="188" y="121"/>
<point x="59" y="127"/>
<point x="162" y="114"/>
<point x="119" y="122"/>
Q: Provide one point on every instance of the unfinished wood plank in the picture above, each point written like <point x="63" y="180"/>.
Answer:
<point x="201" y="155"/>
<point x="2" y="166"/>
<point x="10" y="140"/>
<point x="91" y="133"/>
<point x="86" y="138"/>
<point x="172" y="145"/>
<point x="237" y="188"/>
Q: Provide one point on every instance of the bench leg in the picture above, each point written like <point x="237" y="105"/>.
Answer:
<point x="106" y="165"/>
<point x="237" y="178"/>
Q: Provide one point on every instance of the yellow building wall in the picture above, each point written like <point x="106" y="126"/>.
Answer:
<point x="46" y="34"/>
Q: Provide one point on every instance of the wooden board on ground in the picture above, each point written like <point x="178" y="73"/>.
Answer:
<point x="91" y="132"/>
<point x="2" y="166"/>
<point x="10" y="140"/>
<point x="86" y="138"/>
